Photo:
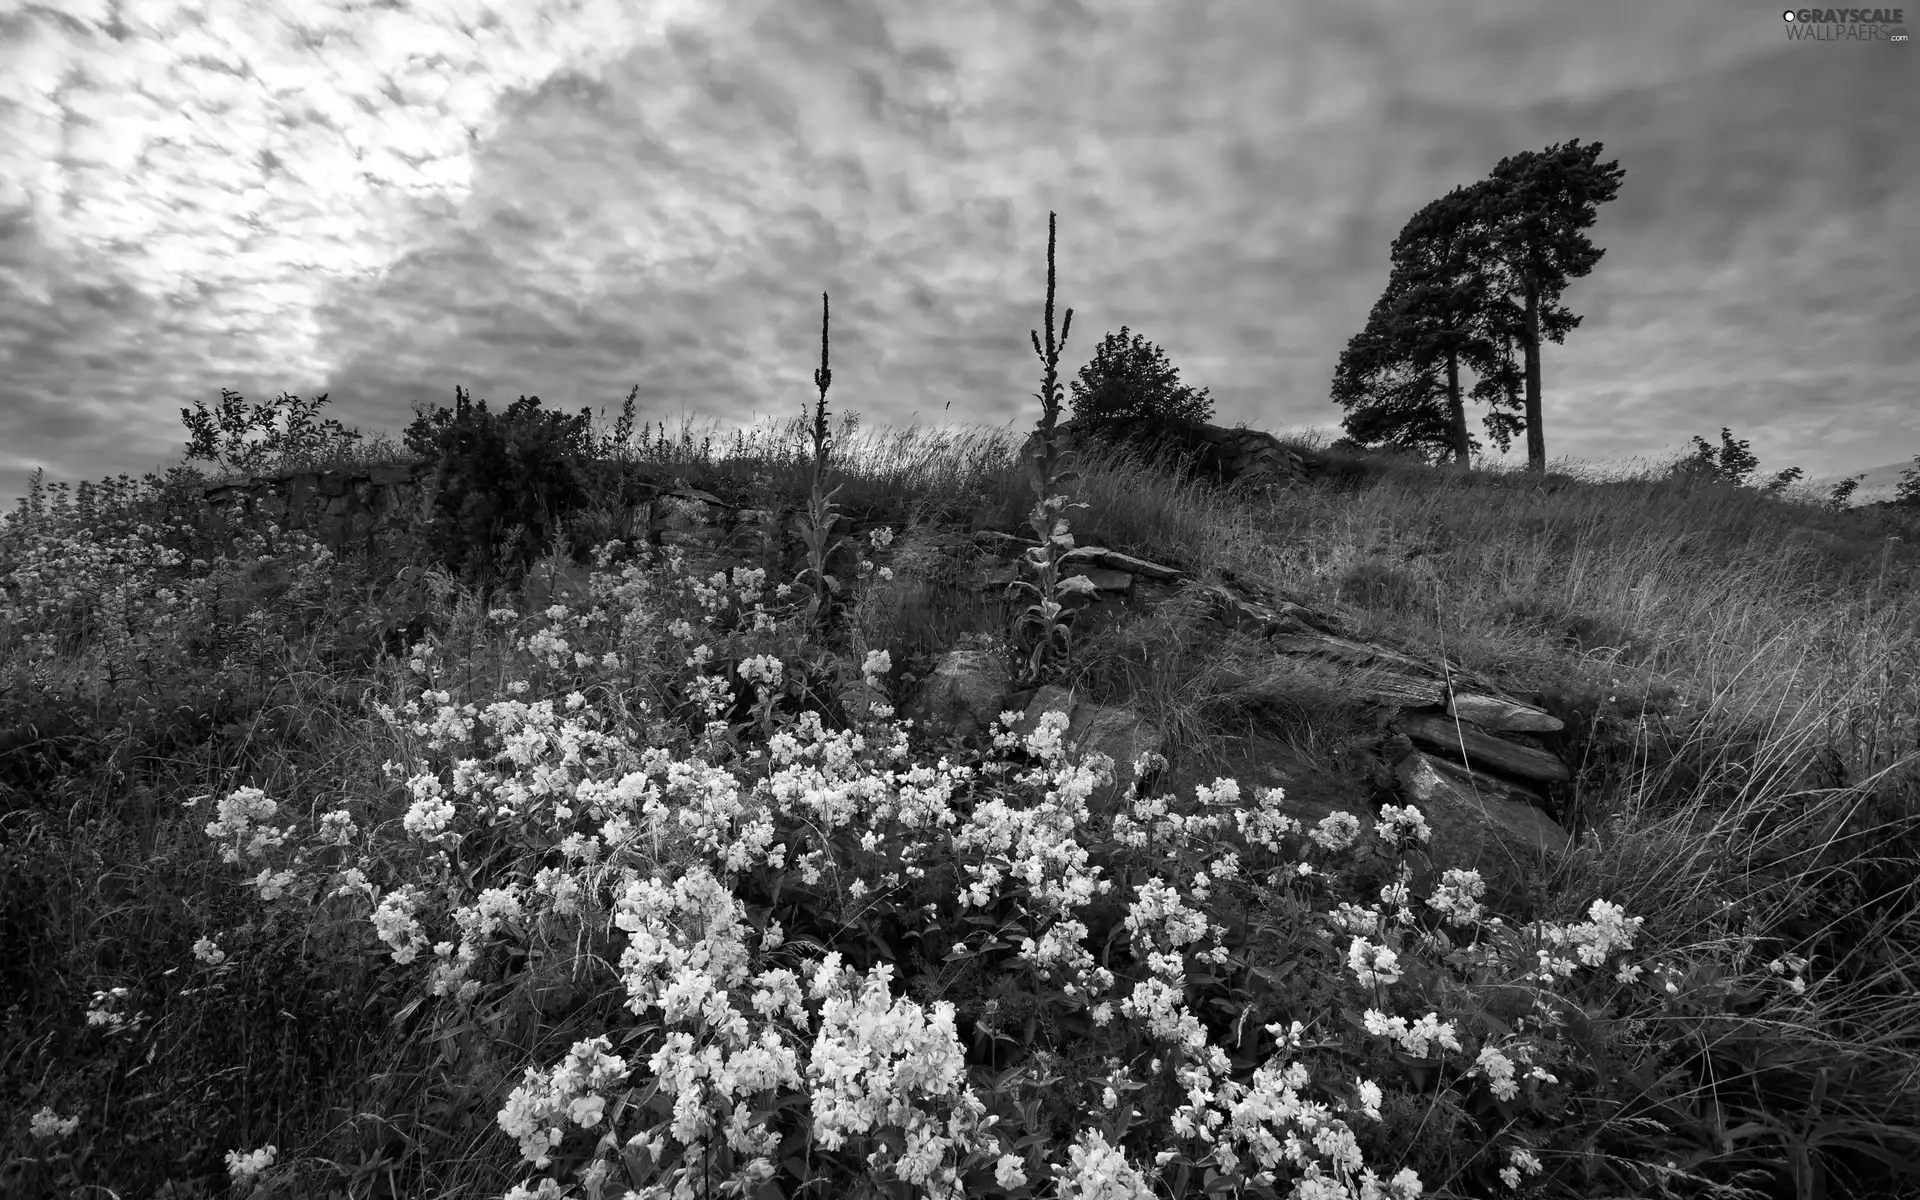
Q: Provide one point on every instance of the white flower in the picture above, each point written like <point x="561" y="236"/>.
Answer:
<point x="1007" y="1172"/>
<point x="47" y="1125"/>
<point x="243" y="1167"/>
<point x="1100" y="1172"/>
<point x="1372" y="964"/>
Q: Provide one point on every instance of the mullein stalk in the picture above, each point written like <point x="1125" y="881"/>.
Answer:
<point x="817" y="524"/>
<point x="1048" y="619"/>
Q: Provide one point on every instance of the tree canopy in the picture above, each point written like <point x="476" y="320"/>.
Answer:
<point x="1130" y="392"/>
<point x="1475" y="276"/>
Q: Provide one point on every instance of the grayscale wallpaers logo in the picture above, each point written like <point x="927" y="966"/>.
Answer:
<point x="1846" y="24"/>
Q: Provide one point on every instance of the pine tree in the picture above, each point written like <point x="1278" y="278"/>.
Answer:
<point x="1476" y="275"/>
<point x="1533" y="213"/>
<point x="1400" y="376"/>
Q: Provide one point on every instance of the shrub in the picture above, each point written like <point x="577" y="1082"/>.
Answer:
<point x="1130" y="395"/>
<point x="1907" y="491"/>
<point x="302" y="442"/>
<point x="499" y="482"/>
<point x="1736" y="461"/>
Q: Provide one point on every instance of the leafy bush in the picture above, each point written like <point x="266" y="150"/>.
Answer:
<point x="1131" y="396"/>
<point x="499" y="482"/>
<point x="1735" y="462"/>
<point x="1907" y="491"/>
<point x="302" y="442"/>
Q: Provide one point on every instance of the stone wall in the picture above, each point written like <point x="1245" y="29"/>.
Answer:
<point x="376" y="511"/>
<point x="382" y="511"/>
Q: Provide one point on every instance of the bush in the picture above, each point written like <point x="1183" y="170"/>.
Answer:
<point x="1131" y="396"/>
<point x="302" y="442"/>
<point x="499" y="484"/>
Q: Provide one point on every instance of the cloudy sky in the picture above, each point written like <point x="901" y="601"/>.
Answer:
<point x="566" y="198"/>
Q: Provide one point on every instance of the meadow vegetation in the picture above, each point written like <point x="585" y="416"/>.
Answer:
<point x="624" y="894"/>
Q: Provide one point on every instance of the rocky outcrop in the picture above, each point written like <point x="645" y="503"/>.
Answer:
<point x="1462" y="756"/>
<point x="1483" y="765"/>
<point x="1246" y="461"/>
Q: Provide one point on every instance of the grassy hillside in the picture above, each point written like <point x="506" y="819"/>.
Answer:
<point x="278" y="924"/>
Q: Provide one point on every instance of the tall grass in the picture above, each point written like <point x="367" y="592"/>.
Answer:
<point x="645" y="889"/>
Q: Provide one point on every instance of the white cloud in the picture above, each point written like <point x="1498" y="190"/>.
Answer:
<point x="564" y="199"/>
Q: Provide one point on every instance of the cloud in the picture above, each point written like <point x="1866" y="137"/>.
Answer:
<point x="565" y="200"/>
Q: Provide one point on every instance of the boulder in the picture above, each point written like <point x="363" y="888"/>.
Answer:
<point x="1118" y="733"/>
<point x="1481" y="822"/>
<point x="964" y="693"/>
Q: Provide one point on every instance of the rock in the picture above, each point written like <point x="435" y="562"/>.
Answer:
<point x="1819" y="539"/>
<point x="1466" y="744"/>
<point x="1490" y="713"/>
<point x="1900" y="508"/>
<point x="965" y="692"/>
<point x="1488" y="817"/>
<point x="1118" y="733"/>
<point x="1477" y="824"/>
<point x="376" y="511"/>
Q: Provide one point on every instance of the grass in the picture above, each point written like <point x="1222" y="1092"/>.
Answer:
<point x="633" y="883"/>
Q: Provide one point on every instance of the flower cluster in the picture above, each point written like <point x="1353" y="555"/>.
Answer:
<point x="658" y="842"/>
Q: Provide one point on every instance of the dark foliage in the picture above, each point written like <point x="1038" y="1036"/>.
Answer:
<point x="1131" y="396"/>
<point x="1400" y="376"/>
<point x="500" y="482"/>
<point x="1477" y="275"/>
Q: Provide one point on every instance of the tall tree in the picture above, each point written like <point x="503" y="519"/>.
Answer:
<point x="1407" y="412"/>
<point x="1476" y="274"/>
<point x="1532" y="215"/>
<point x="1400" y="376"/>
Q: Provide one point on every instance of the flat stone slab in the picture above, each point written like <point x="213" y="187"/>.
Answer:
<point x="1322" y="645"/>
<point x="1490" y="712"/>
<point x="1101" y="577"/>
<point x="1474" y="828"/>
<point x="1467" y="744"/>
<point x="1113" y="560"/>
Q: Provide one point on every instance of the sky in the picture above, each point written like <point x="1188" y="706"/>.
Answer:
<point x="566" y="198"/>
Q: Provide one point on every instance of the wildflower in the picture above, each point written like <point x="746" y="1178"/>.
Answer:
<point x="1336" y="831"/>
<point x="1402" y="825"/>
<point x="244" y="1167"/>
<point x="238" y="815"/>
<point x="1457" y="898"/>
<point x="1372" y="964"/>
<point x="1100" y="1172"/>
<point x="876" y="1057"/>
<point x="48" y="1125"/>
<point x="337" y="827"/>
<point x="1007" y="1172"/>
<point x="1521" y="1161"/>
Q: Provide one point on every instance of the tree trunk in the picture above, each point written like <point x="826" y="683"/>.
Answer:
<point x="1457" y="414"/>
<point x="1536" y="437"/>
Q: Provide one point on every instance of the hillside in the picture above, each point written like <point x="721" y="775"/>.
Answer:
<point x="273" y="933"/>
